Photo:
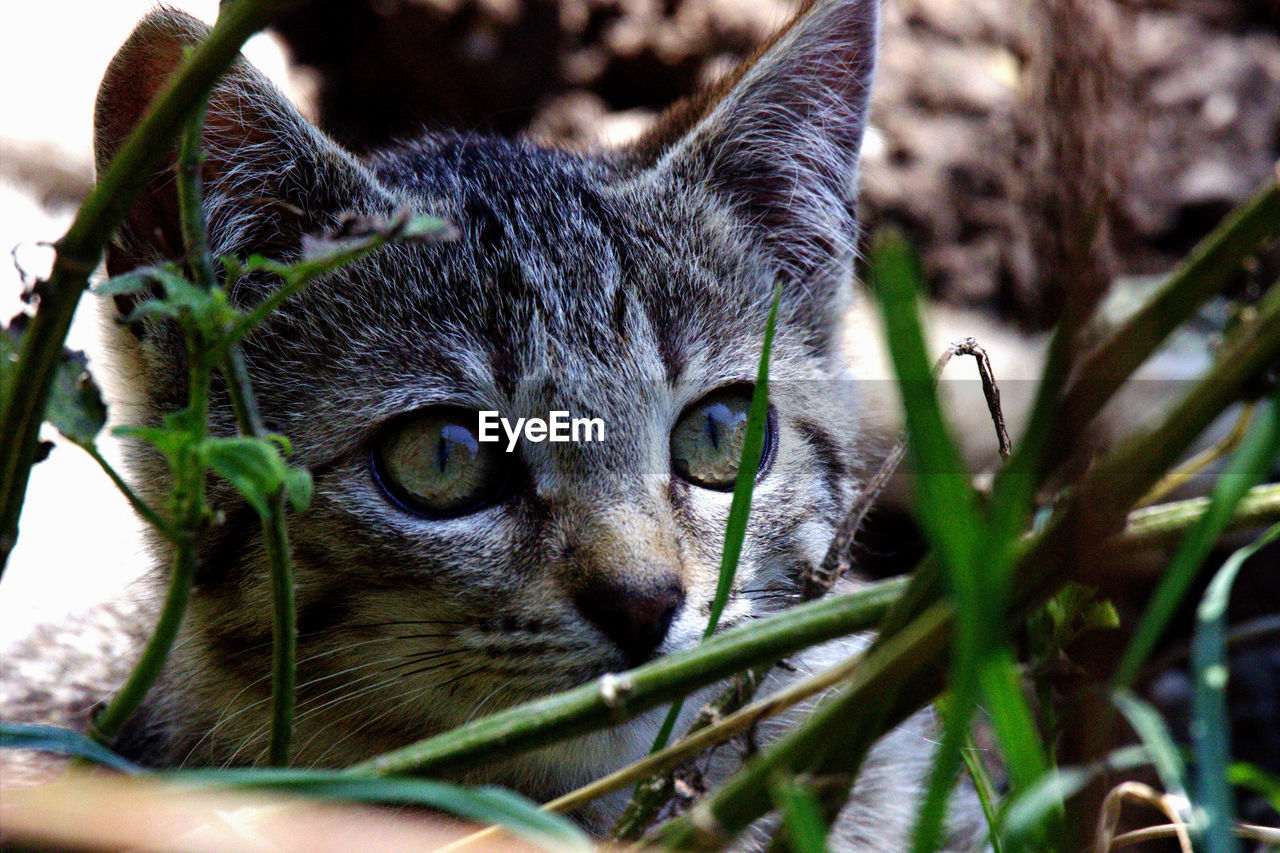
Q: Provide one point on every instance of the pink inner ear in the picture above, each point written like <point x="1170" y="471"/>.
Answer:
<point x="136" y="75"/>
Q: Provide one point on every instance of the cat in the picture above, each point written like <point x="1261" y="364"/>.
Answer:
<point x="440" y="579"/>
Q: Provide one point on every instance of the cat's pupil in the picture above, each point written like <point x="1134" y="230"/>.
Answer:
<point x="433" y="464"/>
<point x="721" y="419"/>
<point x="707" y="442"/>
<point x="454" y="440"/>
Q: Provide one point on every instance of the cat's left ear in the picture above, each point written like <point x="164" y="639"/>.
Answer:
<point x="780" y="138"/>
<point x="269" y="176"/>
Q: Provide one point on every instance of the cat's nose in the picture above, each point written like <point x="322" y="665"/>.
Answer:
<point x="635" y="616"/>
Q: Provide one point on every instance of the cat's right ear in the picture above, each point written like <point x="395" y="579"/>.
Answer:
<point x="779" y="139"/>
<point x="269" y="176"/>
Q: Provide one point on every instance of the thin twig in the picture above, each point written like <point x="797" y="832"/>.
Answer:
<point x="839" y="557"/>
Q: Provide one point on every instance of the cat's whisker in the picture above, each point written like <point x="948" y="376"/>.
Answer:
<point x="226" y="718"/>
<point x="379" y="716"/>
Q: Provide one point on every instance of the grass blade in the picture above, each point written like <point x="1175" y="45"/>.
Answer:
<point x="1028" y="811"/>
<point x="63" y="742"/>
<point x="487" y="805"/>
<point x="1249" y="464"/>
<point x="948" y="511"/>
<point x="740" y="507"/>
<point x="1256" y="779"/>
<point x="983" y="786"/>
<point x="1211" y="721"/>
<point x="1151" y="730"/>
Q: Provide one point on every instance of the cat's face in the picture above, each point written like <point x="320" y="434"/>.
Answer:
<point x="438" y="577"/>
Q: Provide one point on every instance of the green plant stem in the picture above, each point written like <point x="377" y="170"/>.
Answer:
<point x="1146" y="527"/>
<point x="1204" y="272"/>
<point x="195" y="233"/>
<point x="884" y="671"/>
<point x="140" y="506"/>
<point x="1249" y="464"/>
<point x="1163" y="524"/>
<point x="901" y="657"/>
<point x="284" y="638"/>
<point x="591" y="706"/>
<point x="79" y="251"/>
<point x="190" y="515"/>
<point x="583" y="709"/>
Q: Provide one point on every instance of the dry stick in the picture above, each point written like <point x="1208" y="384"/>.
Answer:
<point x="79" y="251"/>
<point x="838" y="559"/>
<point x="284" y="635"/>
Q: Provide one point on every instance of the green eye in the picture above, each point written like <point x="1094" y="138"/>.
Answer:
<point x="433" y="463"/>
<point x="706" y="445"/>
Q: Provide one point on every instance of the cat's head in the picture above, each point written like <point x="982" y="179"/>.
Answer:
<point x="438" y="577"/>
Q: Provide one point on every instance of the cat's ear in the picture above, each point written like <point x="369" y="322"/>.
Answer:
<point x="780" y="138"/>
<point x="269" y="176"/>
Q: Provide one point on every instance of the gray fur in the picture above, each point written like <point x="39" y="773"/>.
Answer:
<point x="623" y="285"/>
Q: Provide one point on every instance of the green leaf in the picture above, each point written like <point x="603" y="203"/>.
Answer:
<point x="1210" y="719"/>
<point x="182" y="300"/>
<point x="298" y="488"/>
<point x="75" y="405"/>
<point x="1028" y="810"/>
<point x="126" y="284"/>
<point x="1153" y="733"/>
<point x="75" y="401"/>
<point x="802" y="816"/>
<point x="1247" y="467"/>
<point x="253" y="465"/>
<point x="175" y="438"/>
<point x="64" y="742"/>
<point x="1262" y="783"/>
<point x="740" y="505"/>
<point x="488" y="805"/>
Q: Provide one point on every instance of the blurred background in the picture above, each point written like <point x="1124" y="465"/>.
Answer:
<point x="1025" y="148"/>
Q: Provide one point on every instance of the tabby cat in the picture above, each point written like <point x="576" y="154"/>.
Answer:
<point x="439" y="577"/>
